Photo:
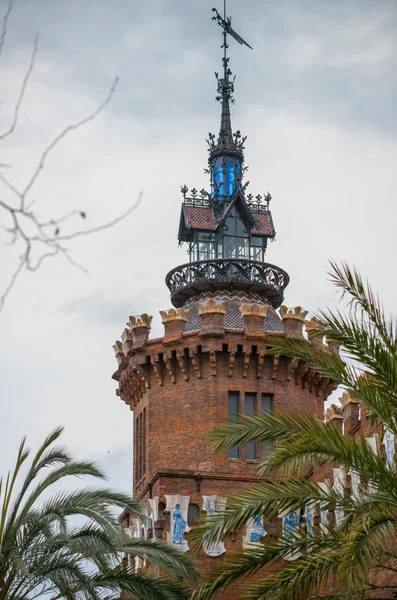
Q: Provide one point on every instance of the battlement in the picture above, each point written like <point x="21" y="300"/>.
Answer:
<point x="213" y="350"/>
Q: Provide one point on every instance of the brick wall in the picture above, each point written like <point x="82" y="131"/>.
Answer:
<point x="182" y="382"/>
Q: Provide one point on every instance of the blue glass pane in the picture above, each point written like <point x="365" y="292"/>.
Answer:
<point x="219" y="187"/>
<point x="226" y="176"/>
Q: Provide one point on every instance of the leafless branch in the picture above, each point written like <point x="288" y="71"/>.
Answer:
<point x="4" y="26"/>
<point x="116" y="220"/>
<point x="63" y="134"/>
<point x="40" y="238"/>
<point x="11" y="283"/>
<point x="22" y="91"/>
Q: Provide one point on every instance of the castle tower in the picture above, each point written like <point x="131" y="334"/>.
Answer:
<point x="211" y="363"/>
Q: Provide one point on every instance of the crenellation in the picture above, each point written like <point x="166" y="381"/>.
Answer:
<point x="314" y="331"/>
<point x="293" y="320"/>
<point x="333" y="414"/>
<point x="127" y="342"/>
<point x="140" y="328"/>
<point x="119" y="352"/>
<point x="192" y="357"/>
<point x="333" y="347"/>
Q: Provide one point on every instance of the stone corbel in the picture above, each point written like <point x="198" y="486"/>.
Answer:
<point x="246" y="361"/>
<point x="291" y="368"/>
<point x="261" y="360"/>
<point x="195" y="357"/>
<point x="310" y="377"/>
<point x="300" y="374"/>
<point x="213" y="362"/>
<point x="212" y="313"/>
<point x="183" y="365"/>
<point x="276" y="358"/>
<point x="158" y="369"/>
<point x="170" y="366"/>
<point x="146" y="372"/>
<point x="293" y="319"/>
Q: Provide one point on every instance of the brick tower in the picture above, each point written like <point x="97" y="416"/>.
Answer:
<point x="211" y="364"/>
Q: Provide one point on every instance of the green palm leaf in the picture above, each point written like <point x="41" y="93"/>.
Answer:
<point x="363" y="541"/>
<point x="43" y="555"/>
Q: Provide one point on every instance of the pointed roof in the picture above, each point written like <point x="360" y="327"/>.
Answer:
<point x="213" y="216"/>
<point x="226" y="143"/>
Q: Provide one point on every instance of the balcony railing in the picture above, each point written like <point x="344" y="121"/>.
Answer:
<point x="263" y="279"/>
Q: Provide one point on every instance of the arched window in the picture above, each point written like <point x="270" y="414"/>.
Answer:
<point x="193" y="514"/>
<point x="161" y="510"/>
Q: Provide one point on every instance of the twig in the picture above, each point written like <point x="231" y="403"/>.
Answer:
<point x="106" y="225"/>
<point x="4" y="27"/>
<point x="22" y="91"/>
<point x="60" y="137"/>
<point x="45" y="240"/>
<point x="11" y="284"/>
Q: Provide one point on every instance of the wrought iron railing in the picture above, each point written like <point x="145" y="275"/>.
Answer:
<point x="197" y="201"/>
<point x="260" y="278"/>
<point x="203" y="198"/>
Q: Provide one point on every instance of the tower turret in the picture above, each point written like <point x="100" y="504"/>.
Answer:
<point x="212" y="362"/>
<point x="227" y="231"/>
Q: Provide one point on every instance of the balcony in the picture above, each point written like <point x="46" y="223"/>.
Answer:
<point x="263" y="279"/>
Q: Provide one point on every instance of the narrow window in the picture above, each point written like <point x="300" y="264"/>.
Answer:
<point x="250" y="447"/>
<point x="193" y="514"/>
<point x="144" y="442"/>
<point x="136" y="451"/>
<point x="140" y="446"/>
<point x="267" y="402"/>
<point x="233" y="412"/>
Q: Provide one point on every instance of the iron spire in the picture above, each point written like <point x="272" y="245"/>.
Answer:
<point x="226" y="85"/>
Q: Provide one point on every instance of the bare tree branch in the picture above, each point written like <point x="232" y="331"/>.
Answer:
<point x="22" y="91"/>
<point x="4" y="26"/>
<point x="39" y="237"/>
<point x="105" y="225"/>
<point x="11" y="284"/>
<point x="63" y="134"/>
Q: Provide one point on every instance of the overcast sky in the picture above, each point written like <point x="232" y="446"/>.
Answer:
<point x="317" y="98"/>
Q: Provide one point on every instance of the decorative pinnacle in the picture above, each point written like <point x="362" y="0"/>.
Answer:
<point x="226" y="86"/>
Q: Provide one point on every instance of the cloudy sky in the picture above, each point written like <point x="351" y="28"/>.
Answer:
<point x="317" y="98"/>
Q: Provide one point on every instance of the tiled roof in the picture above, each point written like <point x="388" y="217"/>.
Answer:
<point x="263" y="224"/>
<point x="200" y="217"/>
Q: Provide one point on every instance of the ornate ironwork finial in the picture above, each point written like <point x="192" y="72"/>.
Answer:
<point x="226" y="140"/>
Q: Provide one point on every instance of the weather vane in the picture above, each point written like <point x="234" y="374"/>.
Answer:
<point x="226" y="84"/>
<point x="226" y="24"/>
